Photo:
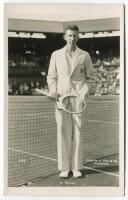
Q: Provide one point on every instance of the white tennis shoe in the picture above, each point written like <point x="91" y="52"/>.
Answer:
<point x="64" y="174"/>
<point x="77" y="174"/>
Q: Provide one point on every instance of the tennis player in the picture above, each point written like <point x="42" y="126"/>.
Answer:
<point x="69" y="70"/>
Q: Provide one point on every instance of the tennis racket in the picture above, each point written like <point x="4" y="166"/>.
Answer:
<point x="70" y="103"/>
<point x="44" y="92"/>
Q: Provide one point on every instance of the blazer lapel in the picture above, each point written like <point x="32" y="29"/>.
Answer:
<point x="77" y="59"/>
<point x="64" y="59"/>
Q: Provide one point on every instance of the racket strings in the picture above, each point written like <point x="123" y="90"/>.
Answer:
<point x="73" y="104"/>
<point x="69" y="103"/>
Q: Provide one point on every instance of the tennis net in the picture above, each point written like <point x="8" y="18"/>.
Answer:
<point x="32" y="149"/>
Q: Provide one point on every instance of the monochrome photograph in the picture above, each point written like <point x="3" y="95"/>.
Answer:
<point x="64" y="99"/>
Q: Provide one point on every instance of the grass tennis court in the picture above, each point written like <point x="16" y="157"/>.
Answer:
<point x="32" y="153"/>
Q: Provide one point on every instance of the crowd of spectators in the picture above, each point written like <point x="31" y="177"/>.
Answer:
<point x="24" y="88"/>
<point x="106" y="69"/>
<point x="107" y="72"/>
<point x="29" y="60"/>
<point x="107" y="80"/>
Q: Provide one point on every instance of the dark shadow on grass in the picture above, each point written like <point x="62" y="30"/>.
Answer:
<point x="85" y="172"/>
<point x="107" y="169"/>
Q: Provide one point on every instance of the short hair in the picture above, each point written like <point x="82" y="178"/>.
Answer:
<point x="71" y="27"/>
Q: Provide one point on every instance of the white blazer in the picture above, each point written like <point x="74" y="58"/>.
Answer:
<point x="59" y="79"/>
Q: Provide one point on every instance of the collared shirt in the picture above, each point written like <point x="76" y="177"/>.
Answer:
<point x="70" y="59"/>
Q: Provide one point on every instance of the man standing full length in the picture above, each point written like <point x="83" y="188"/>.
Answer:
<point x="70" y="69"/>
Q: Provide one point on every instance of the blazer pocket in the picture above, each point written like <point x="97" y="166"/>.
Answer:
<point x="79" y="73"/>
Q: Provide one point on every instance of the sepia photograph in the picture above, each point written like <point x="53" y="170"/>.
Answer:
<point x="64" y="97"/>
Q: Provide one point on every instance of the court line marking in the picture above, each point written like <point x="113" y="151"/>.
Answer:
<point x="103" y="101"/>
<point x="88" y="120"/>
<point x="32" y="154"/>
<point x="48" y="158"/>
<point x="101" y="121"/>
<point x="102" y="171"/>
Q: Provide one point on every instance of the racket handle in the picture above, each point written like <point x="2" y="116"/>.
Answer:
<point x="54" y="95"/>
<point x="59" y="105"/>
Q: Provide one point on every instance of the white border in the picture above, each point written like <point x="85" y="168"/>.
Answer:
<point x="75" y="191"/>
<point x="1" y="95"/>
<point x="1" y="89"/>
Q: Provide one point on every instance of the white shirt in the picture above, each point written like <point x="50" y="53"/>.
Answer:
<point x="70" y="60"/>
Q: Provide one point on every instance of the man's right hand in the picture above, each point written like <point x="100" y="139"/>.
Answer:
<point x="54" y="95"/>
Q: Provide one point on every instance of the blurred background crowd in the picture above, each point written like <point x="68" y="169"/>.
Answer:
<point x="29" y="61"/>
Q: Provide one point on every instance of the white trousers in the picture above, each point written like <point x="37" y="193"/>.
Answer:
<point x="69" y="140"/>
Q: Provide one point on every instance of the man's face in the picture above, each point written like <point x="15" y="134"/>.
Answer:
<point x="71" y="37"/>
